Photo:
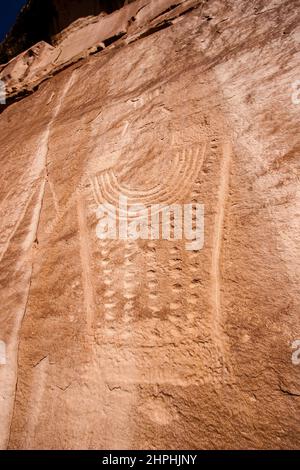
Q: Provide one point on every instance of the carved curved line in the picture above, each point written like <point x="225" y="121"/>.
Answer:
<point x="114" y="192"/>
<point x="110" y="194"/>
<point x="165" y="196"/>
<point x="95" y="189"/>
<point x="140" y="197"/>
<point x="136" y="193"/>
<point x="193" y="174"/>
<point x="126" y="190"/>
<point x="187" y="179"/>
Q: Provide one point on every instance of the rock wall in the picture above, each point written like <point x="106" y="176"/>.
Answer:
<point x="43" y="20"/>
<point x="114" y="344"/>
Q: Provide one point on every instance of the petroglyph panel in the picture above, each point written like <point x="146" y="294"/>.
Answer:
<point x="142" y="343"/>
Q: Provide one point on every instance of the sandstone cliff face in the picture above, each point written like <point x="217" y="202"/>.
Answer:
<point x="43" y="20"/>
<point x="142" y="344"/>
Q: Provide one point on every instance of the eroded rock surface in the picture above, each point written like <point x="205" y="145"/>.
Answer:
<point x="144" y="344"/>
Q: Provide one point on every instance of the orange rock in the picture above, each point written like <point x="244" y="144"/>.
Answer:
<point x="131" y="344"/>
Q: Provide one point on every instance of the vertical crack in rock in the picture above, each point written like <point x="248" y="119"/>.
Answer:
<point x="35" y="403"/>
<point x="217" y="248"/>
<point x="29" y="240"/>
<point x="41" y="164"/>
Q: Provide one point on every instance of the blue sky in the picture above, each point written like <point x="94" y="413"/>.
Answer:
<point x="8" y="14"/>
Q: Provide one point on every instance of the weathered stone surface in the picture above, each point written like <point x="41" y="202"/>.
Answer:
<point x="44" y="20"/>
<point x="143" y="344"/>
<point x="87" y="36"/>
